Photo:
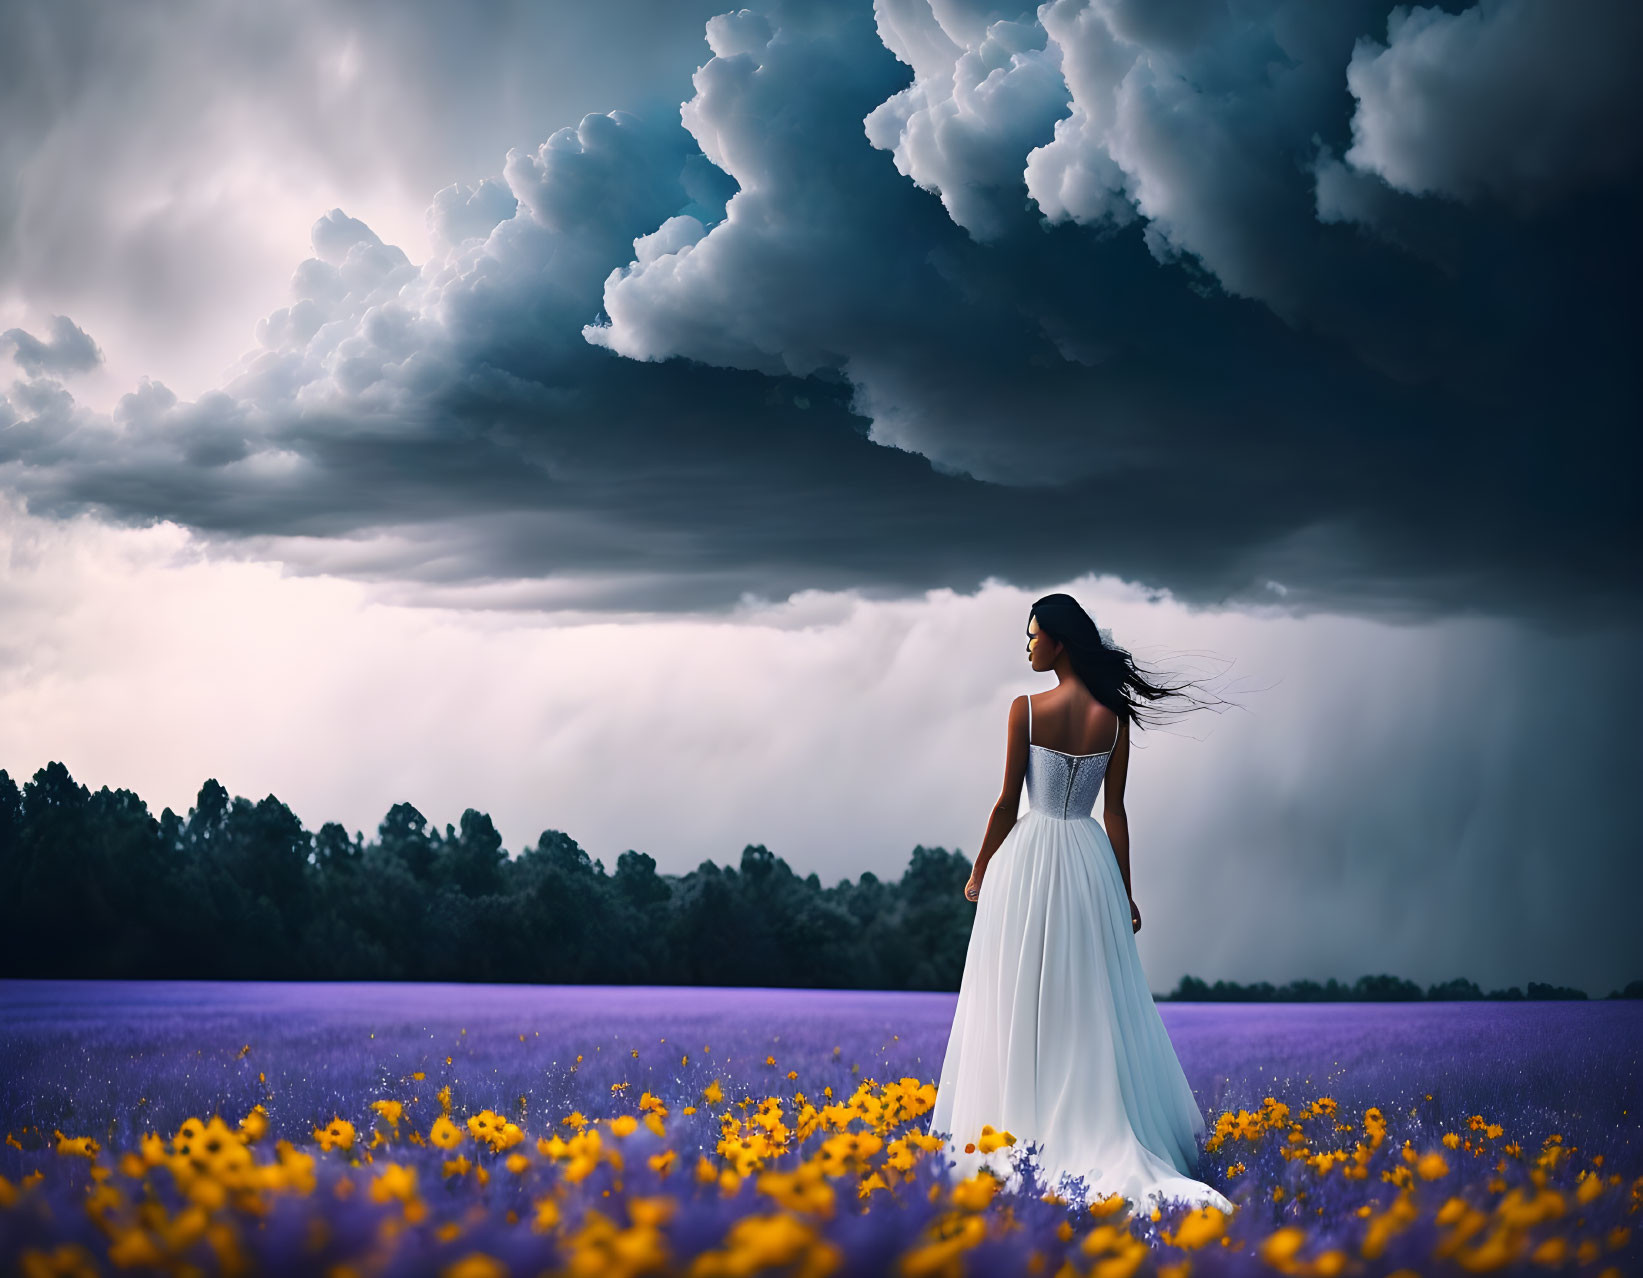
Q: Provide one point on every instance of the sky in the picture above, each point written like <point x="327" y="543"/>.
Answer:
<point x="654" y="422"/>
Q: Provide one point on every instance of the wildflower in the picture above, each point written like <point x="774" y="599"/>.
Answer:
<point x="444" y="1133"/>
<point x="1203" y="1225"/>
<point x="942" y="1255"/>
<point x="1108" y="1206"/>
<point x="754" y="1243"/>
<point x="976" y="1192"/>
<point x="80" y="1146"/>
<point x="339" y="1134"/>
<point x="254" y="1126"/>
<point x="394" y="1180"/>
<point x="1431" y="1165"/>
<point x="992" y="1140"/>
<point x="476" y="1264"/>
<point x="1278" y="1249"/>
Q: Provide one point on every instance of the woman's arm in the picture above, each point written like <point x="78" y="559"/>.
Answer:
<point x="1003" y="817"/>
<point x="1113" y="816"/>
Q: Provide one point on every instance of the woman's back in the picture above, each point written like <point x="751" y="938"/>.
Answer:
<point x="1070" y="721"/>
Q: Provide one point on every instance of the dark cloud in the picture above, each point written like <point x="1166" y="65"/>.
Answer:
<point x="160" y="162"/>
<point x="891" y="311"/>
<point x="1509" y="99"/>
<point x="69" y="349"/>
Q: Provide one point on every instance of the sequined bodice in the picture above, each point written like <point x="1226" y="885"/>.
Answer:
<point x="1063" y="785"/>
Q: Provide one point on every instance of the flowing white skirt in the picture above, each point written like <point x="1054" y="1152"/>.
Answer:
<point x="1056" y="1038"/>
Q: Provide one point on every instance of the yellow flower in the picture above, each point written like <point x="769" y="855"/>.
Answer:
<point x="713" y="1093"/>
<point x="389" y="1109"/>
<point x="1108" y="1206"/>
<point x="254" y="1126"/>
<point x="992" y="1140"/>
<point x="394" y="1180"/>
<point x="759" y="1242"/>
<point x="445" y="1133"/>
<point x="976" y="1192"/>
<point x="1431" y="1165"/>
<point x="80" y="1146"/>
<point x="942" y="1255"/>
<point x="651" y="1212"/>
<point x="624" y="1125"/>
<point x="476" y="1264"/>
<point x="339" y="1134"/>
<point x="1204" y="1225"/>
<point x="1278" y="1249"/>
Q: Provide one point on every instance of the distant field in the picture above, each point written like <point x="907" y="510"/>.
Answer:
<point x="109" y="1061"/>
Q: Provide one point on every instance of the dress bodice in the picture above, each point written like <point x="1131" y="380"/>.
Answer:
<point x="1064" y="785"/>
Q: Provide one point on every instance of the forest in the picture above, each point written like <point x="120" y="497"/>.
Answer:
<point x="97" y="886"/>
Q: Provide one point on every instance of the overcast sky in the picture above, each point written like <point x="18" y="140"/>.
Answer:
<point x="654" y="422"/>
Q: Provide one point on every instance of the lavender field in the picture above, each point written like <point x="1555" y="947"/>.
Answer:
<point x="204" y="1127"/>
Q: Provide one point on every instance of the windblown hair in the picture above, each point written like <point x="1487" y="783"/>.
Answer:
<point x="1110" y="672"/>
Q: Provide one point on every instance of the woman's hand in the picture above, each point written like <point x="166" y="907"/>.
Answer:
<point x="1135" y="915"/>
<point x="972" y="889"/>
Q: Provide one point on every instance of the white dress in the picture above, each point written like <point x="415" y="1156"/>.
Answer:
<point x="1055" y="1037"/>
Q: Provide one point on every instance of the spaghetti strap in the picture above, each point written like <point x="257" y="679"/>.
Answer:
<point x="1117" y="734"/>
<point x="1029" y="718"/>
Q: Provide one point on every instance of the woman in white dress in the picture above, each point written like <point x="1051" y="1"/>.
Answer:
<point x="1055" y="1036"/>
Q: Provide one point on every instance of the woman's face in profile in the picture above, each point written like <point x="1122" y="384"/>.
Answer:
<point x="1041" y="648"/>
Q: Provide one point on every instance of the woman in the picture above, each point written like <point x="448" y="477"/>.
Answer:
<point x="1055" y="1037"/>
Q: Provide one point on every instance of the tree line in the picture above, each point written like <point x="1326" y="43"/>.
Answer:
<point x="1372" y="989"/>
<point x="96" y="886"/>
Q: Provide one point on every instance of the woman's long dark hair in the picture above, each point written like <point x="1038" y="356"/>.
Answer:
<point x="1110" y="672"/>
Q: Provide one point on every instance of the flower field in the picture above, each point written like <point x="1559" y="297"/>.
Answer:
<point x="197" y="1128"/>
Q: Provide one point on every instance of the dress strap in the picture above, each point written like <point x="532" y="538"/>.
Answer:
<point x="1029" y="718"/>
<point x="1117" y="734"/>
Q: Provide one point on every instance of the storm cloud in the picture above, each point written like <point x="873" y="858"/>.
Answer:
<point x="927" y="295"/>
